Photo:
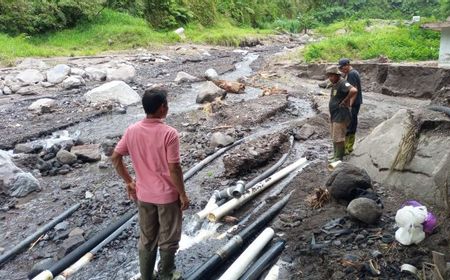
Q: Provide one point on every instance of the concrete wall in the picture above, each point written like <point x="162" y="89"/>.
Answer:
<point x="444" y="51"/>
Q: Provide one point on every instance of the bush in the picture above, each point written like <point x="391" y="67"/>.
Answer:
<point x="396" y="42"/>
<point x="38" y="16"/>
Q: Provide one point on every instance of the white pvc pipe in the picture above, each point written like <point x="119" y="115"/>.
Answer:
<point x="210" y="206"/>
<point x="273" y="273"/>
<point x="44" y="275"/>
<point x="333" y="165"/>
<point x="241" y="264"/>
<point x="221" y="211"/>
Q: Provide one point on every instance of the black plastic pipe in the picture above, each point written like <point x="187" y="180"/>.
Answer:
<point x="272" y="169"/>
<point x="208" y="159"/>
<point x="235" y="243"/>
<point x="27" y="241"/>
<point x="73" y="256"/>
<point x="91" y="254"/>
<point x="265" y="261"/>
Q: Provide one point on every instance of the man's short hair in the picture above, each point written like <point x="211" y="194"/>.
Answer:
<point x="153" y="99"/>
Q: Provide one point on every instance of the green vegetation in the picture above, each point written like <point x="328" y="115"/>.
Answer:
<point x="114" y="31"/>
<point x="363" y="40"/>
<point x="85" y="27"/>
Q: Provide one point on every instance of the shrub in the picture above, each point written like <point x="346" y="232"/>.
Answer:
<point x="38" y="16"/>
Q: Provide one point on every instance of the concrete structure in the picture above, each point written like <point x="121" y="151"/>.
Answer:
<point x="444" y="50"/>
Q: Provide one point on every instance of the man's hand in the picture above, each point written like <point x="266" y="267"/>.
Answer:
<point x="184" y="202"/>
<point x="131" y="190"/>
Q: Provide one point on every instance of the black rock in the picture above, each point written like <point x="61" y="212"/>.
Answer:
<point x="345" y="180"/>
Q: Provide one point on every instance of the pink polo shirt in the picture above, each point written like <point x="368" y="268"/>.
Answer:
<point x="152" y="145"/>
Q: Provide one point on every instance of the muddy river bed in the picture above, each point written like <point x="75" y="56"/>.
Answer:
<point x="265" y="121"/>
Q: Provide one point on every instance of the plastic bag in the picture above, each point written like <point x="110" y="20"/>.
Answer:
<point x="410" y="219"/>
<point x="430" y="221"/>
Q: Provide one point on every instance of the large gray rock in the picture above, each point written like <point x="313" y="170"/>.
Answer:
<point x="219" y="139"/>
<point x="58" y="73"/>
<point x="28" y="148"/>
<point x="96" y="74"/>
<point x="209" y="92"/>
<point x="69" y="245"/>
<point x="40" y="103"/>
<point x="345" y="180"/>
<point x="66" y="157"/>
<point x="183" y="77"/>
<point x="124" y="73"/>
<point x="427" y="173"/>
<point x="30" y="76"/>
<point x="29" y="90"/>
<point x="364" y="210"/>
<point x="13" y="181"/>
<point x="87" y="153"/>
<point x="77" y="72"/>
<point x="7" y="90"/>
<point x="211" y="74"/>
<point x="113" y="91"/>
<point x="73" y="82"/>
<point x="32" y="63"/>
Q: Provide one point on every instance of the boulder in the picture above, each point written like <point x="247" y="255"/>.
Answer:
<point x="28" y="63"/>
<point x="69" y="245"/>
<point x="73" y="82"/>
<point x="28" y="148"/>
<point x="364" y="210"/>
<point x="66" y="157"/>
<point x="87" y="153"/>
<point x="113" y="91"/>
<point x="124" y="73"/>
<point x="229" y="86"/>
<point x="305" y="132"/>
<point x="183" y="77"/>
<point x="344" y="182"/>
<point x="180" y="33"/>
<point x="40" y="103"/>
<point x="219" y="139"/>
<point x="95" y="74"/>
<point x="211" y="74"/>
<point x="30" y="77"/>
<point x="7" y="90"/>
<point x="58" y="73"/>
<point x="209" y="92"/>
<point x="427" y="173"/>
<point x="27" y="91"/>
<point x="77" y="72"/>
<point x="13" y="181"/>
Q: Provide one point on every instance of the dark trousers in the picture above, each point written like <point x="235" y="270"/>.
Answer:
<point x="351" y="129"/>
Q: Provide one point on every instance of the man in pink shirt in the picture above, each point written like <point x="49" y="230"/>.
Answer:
<point x="158" y="188"/>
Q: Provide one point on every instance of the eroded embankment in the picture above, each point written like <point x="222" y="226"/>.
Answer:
<point x="416" y="81"/>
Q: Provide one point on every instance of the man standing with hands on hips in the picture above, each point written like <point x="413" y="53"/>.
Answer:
<point x="341" y="97"/>
<point x="158" y="188"/>
<point x="352" y="76"/>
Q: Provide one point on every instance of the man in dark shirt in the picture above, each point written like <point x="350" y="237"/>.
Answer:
<point x="352" y="76"/>
<point x="341" y="98"/>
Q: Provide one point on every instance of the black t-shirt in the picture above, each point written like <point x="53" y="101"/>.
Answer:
<point x="354" y="79"/>
<point x="339" y="91"/>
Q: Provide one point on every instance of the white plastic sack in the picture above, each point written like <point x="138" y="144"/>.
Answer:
<point x="410" y="219"/>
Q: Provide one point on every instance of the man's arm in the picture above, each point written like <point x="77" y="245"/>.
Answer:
<point x="117" y="161"/>
<point x="350" y="98"/>
<point x="176" y="174"/>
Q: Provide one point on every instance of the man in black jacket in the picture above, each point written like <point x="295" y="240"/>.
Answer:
<point x="352" y="76"/>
